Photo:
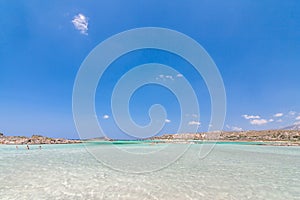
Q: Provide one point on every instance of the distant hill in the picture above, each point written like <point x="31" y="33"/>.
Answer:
<point x="295" y="127"/>
<point x="265" y="135"/>
<point x="35" y="139"/>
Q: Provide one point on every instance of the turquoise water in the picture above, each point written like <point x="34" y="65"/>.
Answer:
<point x="229" y="171"/>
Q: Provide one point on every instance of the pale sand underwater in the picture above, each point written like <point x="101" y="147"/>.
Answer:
<point x="230" y="171"/>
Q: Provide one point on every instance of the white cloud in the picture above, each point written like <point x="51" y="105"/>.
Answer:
<point x="81" y="23"/>
<point x="167" y="120"/>
<point x="235" y="128"/>
<point x="278" y="115"/>
<point x="105" y="116"/>
<point x="271" y="120"/>
<point x="194" y="115"/>
<point x="194" y="123"/>
<point x="191" y="115"/>
<point x="297" y="118"/>
<point x="292" y="113"/>
<point x="251" y="116"/>
<point x="168" y="77"/>
<point x="258" y="122"/>
<point x="279" y="121"/>
<point x="165" y="77"/>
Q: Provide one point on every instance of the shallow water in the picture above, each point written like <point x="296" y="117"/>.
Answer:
<point x="230" y="171"/>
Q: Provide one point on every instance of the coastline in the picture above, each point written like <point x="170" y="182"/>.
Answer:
<point x="266" y="137"/>
<point x="34" y="140"/>
<point x="248" y="142"/>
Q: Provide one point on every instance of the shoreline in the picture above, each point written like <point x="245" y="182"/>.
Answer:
<point x="34" y="140"/>
<point x="178" y="141"/>
<point x="258" y="143"/>
<point x="265" y="137"/>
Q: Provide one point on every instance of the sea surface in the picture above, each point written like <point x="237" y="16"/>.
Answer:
<point x="229" y="171"/>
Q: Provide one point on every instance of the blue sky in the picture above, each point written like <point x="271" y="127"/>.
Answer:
<point x="255" y="45"/>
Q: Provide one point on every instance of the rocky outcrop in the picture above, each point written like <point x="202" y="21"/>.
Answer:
<point x="267" y="135"/>
<point x="35" y="139"/>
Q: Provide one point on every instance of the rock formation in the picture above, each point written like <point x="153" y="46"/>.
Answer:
<point x="266" y="135"/>
<point x="35" y="139"/>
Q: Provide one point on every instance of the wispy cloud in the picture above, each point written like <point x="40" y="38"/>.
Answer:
<point x="167" y="121"/>
<point x="194" y="115"/>
<point x="191" y="115"/>
<point x="258" y="122"/>
<point x="279" y="118"/>
<point x="80" y="22"/>
<point x="165" y="77"/>
<point x="234" y="128"/>
<point x="278" y="115"/>
<point x="191" y="123"/>
<point x="251" y="116"/>
<point x="168" y="77"/>
<point x="292" y="113"/>
<point x="105" y="116"/>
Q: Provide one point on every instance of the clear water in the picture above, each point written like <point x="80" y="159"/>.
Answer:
<point x="230" y="171"/>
